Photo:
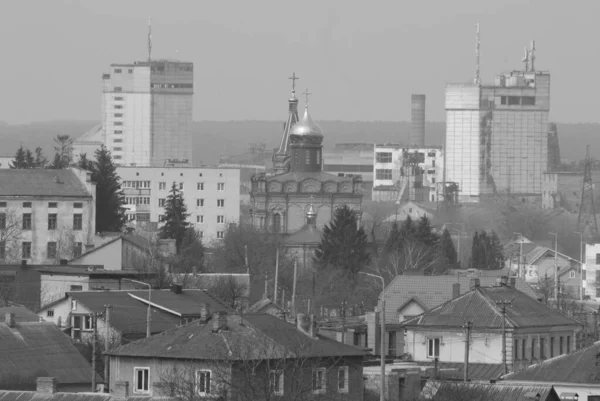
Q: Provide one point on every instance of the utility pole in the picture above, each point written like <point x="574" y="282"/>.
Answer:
<point x="344" y="321"/>
<point x="294" y="287"/>
<point x="503" y="305"/>
<point x="595" y="330"/>
<point x="556" y="269"/>
<point x="276" y="276"/>
<point x="467" y="326"/>
<point x="94" y="318"/>
<point x="107" y="309"/>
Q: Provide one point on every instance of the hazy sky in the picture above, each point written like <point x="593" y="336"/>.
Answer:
<point x="360" y="59"/>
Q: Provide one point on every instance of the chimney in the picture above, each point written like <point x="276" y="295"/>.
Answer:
<point x="313" y="326"/>
<point x="121" y="389"/>
<point x="302" y="322"/>
<point x="474" y="283"/>
<point x="205" y="312"/>
<point x="176" y="288"/>
<point x="513" y="282"/>
<point x="63" y="262"/>
<point x="219" y="321"/>
<point x="504" y="280"/>
<point x="9" y="319"/>
<point x="45" y="385"/>
<point x="24" y="263"/>
<point x="455" y="290"/>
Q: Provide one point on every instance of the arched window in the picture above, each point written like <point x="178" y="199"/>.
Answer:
<point x="276" y="223"/>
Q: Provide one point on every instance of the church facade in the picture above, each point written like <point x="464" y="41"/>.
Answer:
<point x="281" y="199"/>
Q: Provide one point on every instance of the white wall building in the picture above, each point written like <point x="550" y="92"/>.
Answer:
<point x="212" y="195"/>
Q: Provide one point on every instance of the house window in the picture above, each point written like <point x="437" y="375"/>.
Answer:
<point x="560" y="345"/>
<point x="2" y="250"/>
<point x="318" y="380"/>
<point x="26" y="221"/>
<point x="220" y="234"/>
<point x="384" y="157"/>
<point x="356" y="339"/>
<point x="276" y="382"/>
<point x="200" y="219"/>
<point x="141" y="376"/>
<point x="392" y="343"/>
<point x="161" y="202"/>
<point x="26" y="249"/>
<point x="571" y="274"/>
<point x="87" y="323"/>
<point x="52" y="221"/>
<point x="542" y="348"/>
<point x="77" y="249"/>
<point x="200" y="186"/>
<point x="203" y="382"/>
<point x="199" y="202"/>
<point x="276" y="223"/>
<point x="221" y="186"/>
<point x="598" y="258"/>
<point x="50" y="313"/>
<point x="516" y="349"/>
<point x="433" y="348"/>
<point x="533" y="344"/>
<point x="523" y="343"/>
<point x="77" y="221"/>
<point x="220" y="219"/>
<point x="220" y="202"/>
<point x="77" y="205"/>
<point x="51" y="250"/>
<point x="76" y="288"/>
<point x="307" y="156"/>
<point x="383" y="174"/>
<point x="73" y="304"/>
<point x="551" y="347"/>
<point x="162" y="186"/>
<point x="343" y="379"/>
<point x="52" y="205"/>
<point x="568" y="344"/>
<point x="27" y="205"/>
<point x="2" y="221"/>
<point x="181" y="186"/>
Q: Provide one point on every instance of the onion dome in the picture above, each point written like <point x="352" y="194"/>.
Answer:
<point x="306" y="127"/>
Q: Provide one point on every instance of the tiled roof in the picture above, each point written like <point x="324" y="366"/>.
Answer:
<point x="259" y="336"/>
<point x="447" y="391"/>
<point x="35" y="396"/>
<point x="477" y="371"/>
<point x="578" y="367"/>
<point x="128" y="315"/>
<point x="187" y="303"/>
<point x="433" y="290"/>
<point x="41" y="349"/>
<point x="22" y="314"/>
<point x="40" y="182"/>
<point x="479" y="307"/>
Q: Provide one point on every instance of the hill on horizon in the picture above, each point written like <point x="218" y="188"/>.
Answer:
<point x="211" y="139"/>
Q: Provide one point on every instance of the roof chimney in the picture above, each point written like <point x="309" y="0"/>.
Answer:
<point x="9" y="319"/>
<point x="455" y="290"/>
<point x="45" y="385"/>
<point x="219" y="321"/>
<point x="474" y="283"/>
<point x="120" y="389"/>
<point x="176" y="288"/>
<point x="504" y="280"/>
<point x="205" y="312"/>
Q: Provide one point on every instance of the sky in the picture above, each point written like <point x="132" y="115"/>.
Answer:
<point x="361" y="60"/>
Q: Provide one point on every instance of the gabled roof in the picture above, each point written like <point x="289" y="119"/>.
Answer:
<point x="186" y="303"/>
<point x="132" y="238"/>
<point x="578" y="367"/>
<point x="260" y="336"/>
<point x="479" y="306"/>
<point x="41" y="182"/>
<point x="6" y="395"/>
<point x="91" y="270"/>
<point x="455" y="370"/>
<point x="414" y="299"/>
<point x="434" y="290"/>
<point x="449" y="391"/>
<point x="261" y="305"/>
<point x="34" y="349"/>
<point x="22" y="314"/>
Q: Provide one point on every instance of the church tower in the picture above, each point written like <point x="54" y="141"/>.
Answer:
<point x="306" y="143"/>
<point x="281" y="156"/>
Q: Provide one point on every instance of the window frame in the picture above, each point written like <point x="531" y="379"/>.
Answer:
<point x="146" y="380"/>
<point x="346" y="387"/>
<point x="323" y="382"/>
<point x="384" y="174"/>
<point x="431" y="342"/>
<point x="23" y="254"/>
<point x="51" y="246"/>
<point x="29" y="220"/>
<point x="220" y="186"/>
<point x="50" y="313"/>
<point x="382" y="157"/>
<point x="279" y="375"/>
<point x="198" y="380"/>
<point x="78" y="221"/>
<point x="52" y="221"/>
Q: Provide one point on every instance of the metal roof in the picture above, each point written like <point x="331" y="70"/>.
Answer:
<point x="450" y="391"/>
<point x="40" y="182"/>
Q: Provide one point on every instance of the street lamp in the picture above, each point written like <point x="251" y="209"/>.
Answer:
<point x="382" y="340"/>
<point x="580" y="264"/>
<point x="148" y="317"/>
<point x="555" y="268"/>
<point x="521" y="256"/>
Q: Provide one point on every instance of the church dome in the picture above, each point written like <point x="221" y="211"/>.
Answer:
<point x="306" y="127"/>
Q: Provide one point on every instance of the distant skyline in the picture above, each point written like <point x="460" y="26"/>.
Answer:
<point x="360" y="60"/>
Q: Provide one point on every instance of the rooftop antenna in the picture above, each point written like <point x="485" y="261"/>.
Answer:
<point x="532" y="56"/>
<point x="525" y="59"/>
<point x="476" y="81"/>
<point x="149" y="39"/>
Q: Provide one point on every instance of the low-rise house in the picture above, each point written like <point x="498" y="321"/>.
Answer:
<point x="576" y="373"/>
<point x="232" y="357"/>
<point x="507" y="330"/>
<point x="451" y="391"/>
<point x="127" y="317"/>
<point x="29" y="350"/>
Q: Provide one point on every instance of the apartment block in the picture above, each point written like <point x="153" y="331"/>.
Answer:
<point x="46" y="215"/>
<point x="212" y="195"/>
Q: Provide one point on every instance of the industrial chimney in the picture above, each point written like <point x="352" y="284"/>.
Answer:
<point x="417" y="115"/>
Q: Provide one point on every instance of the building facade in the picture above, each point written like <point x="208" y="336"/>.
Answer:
<point x="212" y="195"/>
<point x="46" y="215"/>
<point x="562" y="189"/>
<point x="279" y="202"/>
<point x="351" y="159"/>
<point x="5" y="161"/>
<point x="407" y="174"/>
<point x="497" y="135"/>
<point x="146" y="114"/>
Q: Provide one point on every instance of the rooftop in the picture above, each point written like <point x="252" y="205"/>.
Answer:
<point x="446" y="391"/>
<point x="259" y="336"/>
<point x="22" y="314"/>
<point x="91" y="270"/>
<point x="40" y="182"/>
<point x="186" y="303"/>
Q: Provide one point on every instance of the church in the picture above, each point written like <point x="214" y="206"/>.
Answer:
<point x="281" y="199"/>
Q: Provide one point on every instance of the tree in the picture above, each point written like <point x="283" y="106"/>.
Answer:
<point x="175" y="220"/>
<point x="10" y="236"/>
<point x="229" y="290"/>
<point x="19" y="161"/>
<point x="64" y="152"/>
<point x="446" y="248"/>
<point x="110" y="213"/>
<point x="487" y="252"/>
<point x="40" y="159"/>
<point x="190" y="258"/>
<point x="84" y="163"/>
<point x="343" y="245"/>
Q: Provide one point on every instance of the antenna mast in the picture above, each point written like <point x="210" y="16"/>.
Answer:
<point x="476" y="81"/>
<point x="149" y="39"/>
<point x="532" y="56"/>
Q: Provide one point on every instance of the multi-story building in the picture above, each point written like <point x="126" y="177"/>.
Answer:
<point x="497" y="135"/>
<point x="212" y="195"/>
<point x="351" y="159"/>
<point x="562" y="189"/>
<point x="46" y="215"/>
<point x="407" y="174"/>
<point x="146" y="114"/>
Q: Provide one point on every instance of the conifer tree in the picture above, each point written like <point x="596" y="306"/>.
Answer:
<point x="64" y="152"/>
<point x="343" y="246"/>
<point x="446" y="248"/>
<point x="19" y="161"/>
<point x="424" y="232"/>
<point x="110" y="213"/>
<point x="40" y="159"/>
<point x="175" y="222"/>
<point x="84" y="163"/>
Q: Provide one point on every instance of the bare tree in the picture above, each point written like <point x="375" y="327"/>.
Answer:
<point x="229" y="290"/>
<point x="10" y="236"/>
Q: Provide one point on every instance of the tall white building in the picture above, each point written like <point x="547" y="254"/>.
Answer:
<point x="146" y="114"/>
<point x="212" y="195"/>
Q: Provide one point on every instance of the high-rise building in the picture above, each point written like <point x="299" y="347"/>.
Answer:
<point x="497" y="135"/>
<point x="146" y="114"/>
